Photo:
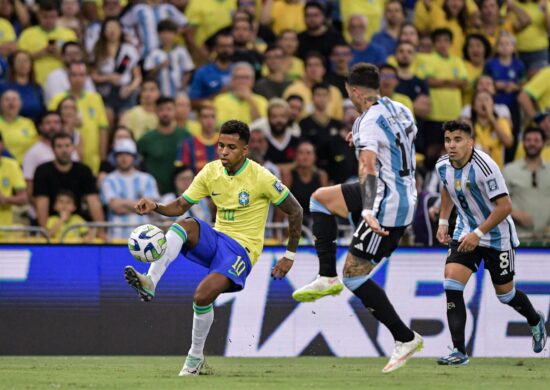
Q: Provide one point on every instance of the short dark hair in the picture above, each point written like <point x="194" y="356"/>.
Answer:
<point x="74" y="63"/>
<point x="61" y="135"/>
<point x="164" y="100"/>
<point x="321" y="85"/>
<point x="405" y="42"/>
<point x="236" y="127"/>
<point x="439" y="32"/>
<point x="67" y="193"/>
<point x="314" y="54"/>
<point x="68" y="44"/>
<point x="387" y="66"/>
<point x="271" y="47"/>
<point x="533" y="129"/>
<point x="47" y="114"/>
<point x="167" y="25"/>
<point x="364" y="75"/>
<point x="294" y="97"/>
<point x="48" y="5"/>
<point x="149" y="79"/>
<point x="458" y="126"/>
<point x="315" y="4"/>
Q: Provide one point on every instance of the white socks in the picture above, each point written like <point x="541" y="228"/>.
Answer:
<point x="202" y="320"/>
<point x="175" y="238"/>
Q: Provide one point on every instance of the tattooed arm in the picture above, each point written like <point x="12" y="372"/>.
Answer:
<point x="292" y="208"/>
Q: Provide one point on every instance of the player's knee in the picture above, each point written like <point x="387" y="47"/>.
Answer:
<point x="452" y="284"/>
<point x="203" y="298"/>
<point x="507" y="297"/>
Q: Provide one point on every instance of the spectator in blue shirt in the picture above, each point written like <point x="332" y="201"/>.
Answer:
<point x="211" y="79"/>
<point x="21" y="79"/>
<point x="394" y="16"/>
<point x="362" y="50"/>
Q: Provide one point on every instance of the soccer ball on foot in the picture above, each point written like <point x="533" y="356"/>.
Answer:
<point x="147" y="243"/>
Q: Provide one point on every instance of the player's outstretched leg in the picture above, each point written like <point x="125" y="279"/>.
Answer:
<point x="456" y="318"/>
<point x="325" y="232"/>
<point x="357" y="279"/>
<point x="203" y="307"/>
<point x="145" y="285"/>
<point x="517" y="299"/>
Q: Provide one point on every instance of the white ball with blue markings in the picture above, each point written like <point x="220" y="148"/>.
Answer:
<point x="147" y="243"/>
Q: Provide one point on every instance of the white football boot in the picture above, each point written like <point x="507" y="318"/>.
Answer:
<point x="320" y="287"/>
<point x="403" y="352"/>
<point x="192" y="366"/>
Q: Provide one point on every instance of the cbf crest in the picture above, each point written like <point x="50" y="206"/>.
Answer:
<point x="244" y="198"/>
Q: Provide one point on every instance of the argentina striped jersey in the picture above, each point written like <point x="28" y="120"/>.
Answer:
<point x="473" y="190"/>
<point x="388" y="129"/>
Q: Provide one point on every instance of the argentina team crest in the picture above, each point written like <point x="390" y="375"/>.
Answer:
<point x="244" y="198"/>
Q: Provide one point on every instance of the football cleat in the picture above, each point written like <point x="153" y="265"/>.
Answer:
<point x="455" y="358"/>
<point x="140" y="282"/>
<point x="403" y="352"/>
<point x="539" y="334"/>
<point x="192" y="366"/>
<point x="318" y="288"/>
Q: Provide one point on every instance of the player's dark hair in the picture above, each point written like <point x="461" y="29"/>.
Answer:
<point x="67" y="193"/>
<point x="321" y="85"/>
<point x="167" y="25"/>
<point x="533" y="129"/>
<point x="164" y="100"/>
<point x="458" y="126"/>
<point x="440" y="32"/>
<point x="61" y="135"/>
<point x="364" y="75"/>
<point x="236" y="127"/>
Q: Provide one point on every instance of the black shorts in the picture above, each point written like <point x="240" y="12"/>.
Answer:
<point x="365" y="244"/>
<point x="500" y="264"/>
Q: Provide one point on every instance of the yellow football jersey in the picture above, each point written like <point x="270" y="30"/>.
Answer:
<point x="11" y="181"/>
<point x="19" y="136"/>
<point x="242" y="201"/>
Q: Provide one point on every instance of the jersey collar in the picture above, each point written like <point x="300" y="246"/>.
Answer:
<point x="242" y="168"/>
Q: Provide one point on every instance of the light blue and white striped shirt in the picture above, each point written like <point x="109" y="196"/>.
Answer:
<point x="133" y="186"/>
<point x="170" y="78"/>
<point x="388" y="129"/>
<point x="473" y="190"/>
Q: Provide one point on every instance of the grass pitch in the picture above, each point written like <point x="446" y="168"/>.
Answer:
<point x="139" y="372"/>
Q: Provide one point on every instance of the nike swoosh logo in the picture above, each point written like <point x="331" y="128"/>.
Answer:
<point x="215" y="194"/>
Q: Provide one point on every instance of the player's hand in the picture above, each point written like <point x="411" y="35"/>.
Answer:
<point x="281" y="268"/>
<point x="443" y="234"/>
<point x="468" y="243"/>
<point x="145" y="206"/>
<point x="375" y="225"/>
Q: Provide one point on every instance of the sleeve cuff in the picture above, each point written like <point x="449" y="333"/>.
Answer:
<point x="498" y="196"/>
<point x="187" y="198"/>
<point x="283" y="198"/>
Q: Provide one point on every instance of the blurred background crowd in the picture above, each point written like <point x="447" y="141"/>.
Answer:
<point x="106" y="101"/>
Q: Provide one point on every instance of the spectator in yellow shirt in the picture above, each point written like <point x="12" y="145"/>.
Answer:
<point x="206" y="17"/>
<point x="44" y="41"/>
<point x="143" y="118"/>
<point x="284" y="14"/>
<point x="294" y="66"/>
<point x="12" y="187"/>
<point x="492" y="133"/>
<point x="533" y="40"/>
<point x="94" y="129"/>
<point x="314" y="72"/>
<point x="535" y="95"/>
<point x="492" y="22"/>
<point x="477" y="50"/>
<point x="454" y="16"/>
<point x="7" y="38"/>
<point x="65" y="217"/>
<point x="240" y="102"/>
<point x="19" y="132"/>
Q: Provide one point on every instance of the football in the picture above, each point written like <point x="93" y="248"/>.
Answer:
<point x="147" y="243"/>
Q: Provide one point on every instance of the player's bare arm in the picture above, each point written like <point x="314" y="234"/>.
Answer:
<point x="173" y="209"/>
<point x="502" y="209"/>
<point x="293" y="210"/>
<point x="368" y="177"/>
<point x="444" y="213"/>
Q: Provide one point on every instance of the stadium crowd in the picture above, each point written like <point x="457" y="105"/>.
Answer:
<point x="103" y="102"/>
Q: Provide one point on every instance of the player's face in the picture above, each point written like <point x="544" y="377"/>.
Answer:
<point x="231" y="151"/>
<point x="458" y="145"/>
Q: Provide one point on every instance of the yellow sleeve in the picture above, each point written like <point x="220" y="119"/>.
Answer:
<point x="505" y="125"/>
<point x="101" y="114"/>
<point x="26" y="43"/>
<point x="272" y="188"/>
<point x="18" y="179"/>
<point x="8" y="34"/>
<point x="193" y="13"/>
<point x="199" y="187"/>
<point x="538" y="85"/>
<point x="52" y="106"/>
<point x="51" y="221"/>
<point x="421" y="17"/>
<point x="462" y="73"/>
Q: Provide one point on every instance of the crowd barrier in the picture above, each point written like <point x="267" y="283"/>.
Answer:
<point x="73" y="300"/>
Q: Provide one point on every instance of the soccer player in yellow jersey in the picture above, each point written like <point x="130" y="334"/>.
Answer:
<point x="242" y="190"/>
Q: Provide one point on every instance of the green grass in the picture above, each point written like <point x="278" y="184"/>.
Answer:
<point x="139" y="372"/>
